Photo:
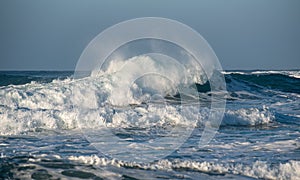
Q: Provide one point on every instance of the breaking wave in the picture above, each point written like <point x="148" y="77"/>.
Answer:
<point x="150" y="101"/>
<point x="258" y="169"/>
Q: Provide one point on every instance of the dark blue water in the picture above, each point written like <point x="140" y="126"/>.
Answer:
<point x="40" y="137"/>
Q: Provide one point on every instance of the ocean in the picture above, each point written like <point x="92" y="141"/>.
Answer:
<point x="41" y="137"/>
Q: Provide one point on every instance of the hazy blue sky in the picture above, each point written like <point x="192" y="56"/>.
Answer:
<point x="245" y="34"/>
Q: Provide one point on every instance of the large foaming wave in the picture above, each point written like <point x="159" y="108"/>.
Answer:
<point x="37" y="106"/>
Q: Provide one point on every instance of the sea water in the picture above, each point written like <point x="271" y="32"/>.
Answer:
<point x="40" y="137"/>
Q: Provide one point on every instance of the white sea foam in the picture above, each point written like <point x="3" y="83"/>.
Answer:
<point x="54" y="105"/>
<point x="278" y="146"/>
<point x="101" y="98"/>
<point x="258" y="169"/>
<point x="32" y="107"/>
<point x="248" y="117"/>
<point x="294" y="74"/>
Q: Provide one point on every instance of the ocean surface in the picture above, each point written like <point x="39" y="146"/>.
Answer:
<point x="40" y="137"/>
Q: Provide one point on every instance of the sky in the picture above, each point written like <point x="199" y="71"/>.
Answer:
<point x="245" y="34"/>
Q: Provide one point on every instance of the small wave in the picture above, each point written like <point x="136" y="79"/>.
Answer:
<point x="293" y="73"/>
<point x="248" y="117"/>
<point x="258" y="169"/>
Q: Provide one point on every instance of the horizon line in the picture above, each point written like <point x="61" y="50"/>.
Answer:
<point x="64" y="70"/>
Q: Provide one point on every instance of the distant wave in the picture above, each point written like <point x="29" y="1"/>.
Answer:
<point x="292" y="73"/>
<point x="25" y="77"/>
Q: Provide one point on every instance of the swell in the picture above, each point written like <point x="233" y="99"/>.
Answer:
<point x="25" y="77"/>
<point x="280" y="82"/>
